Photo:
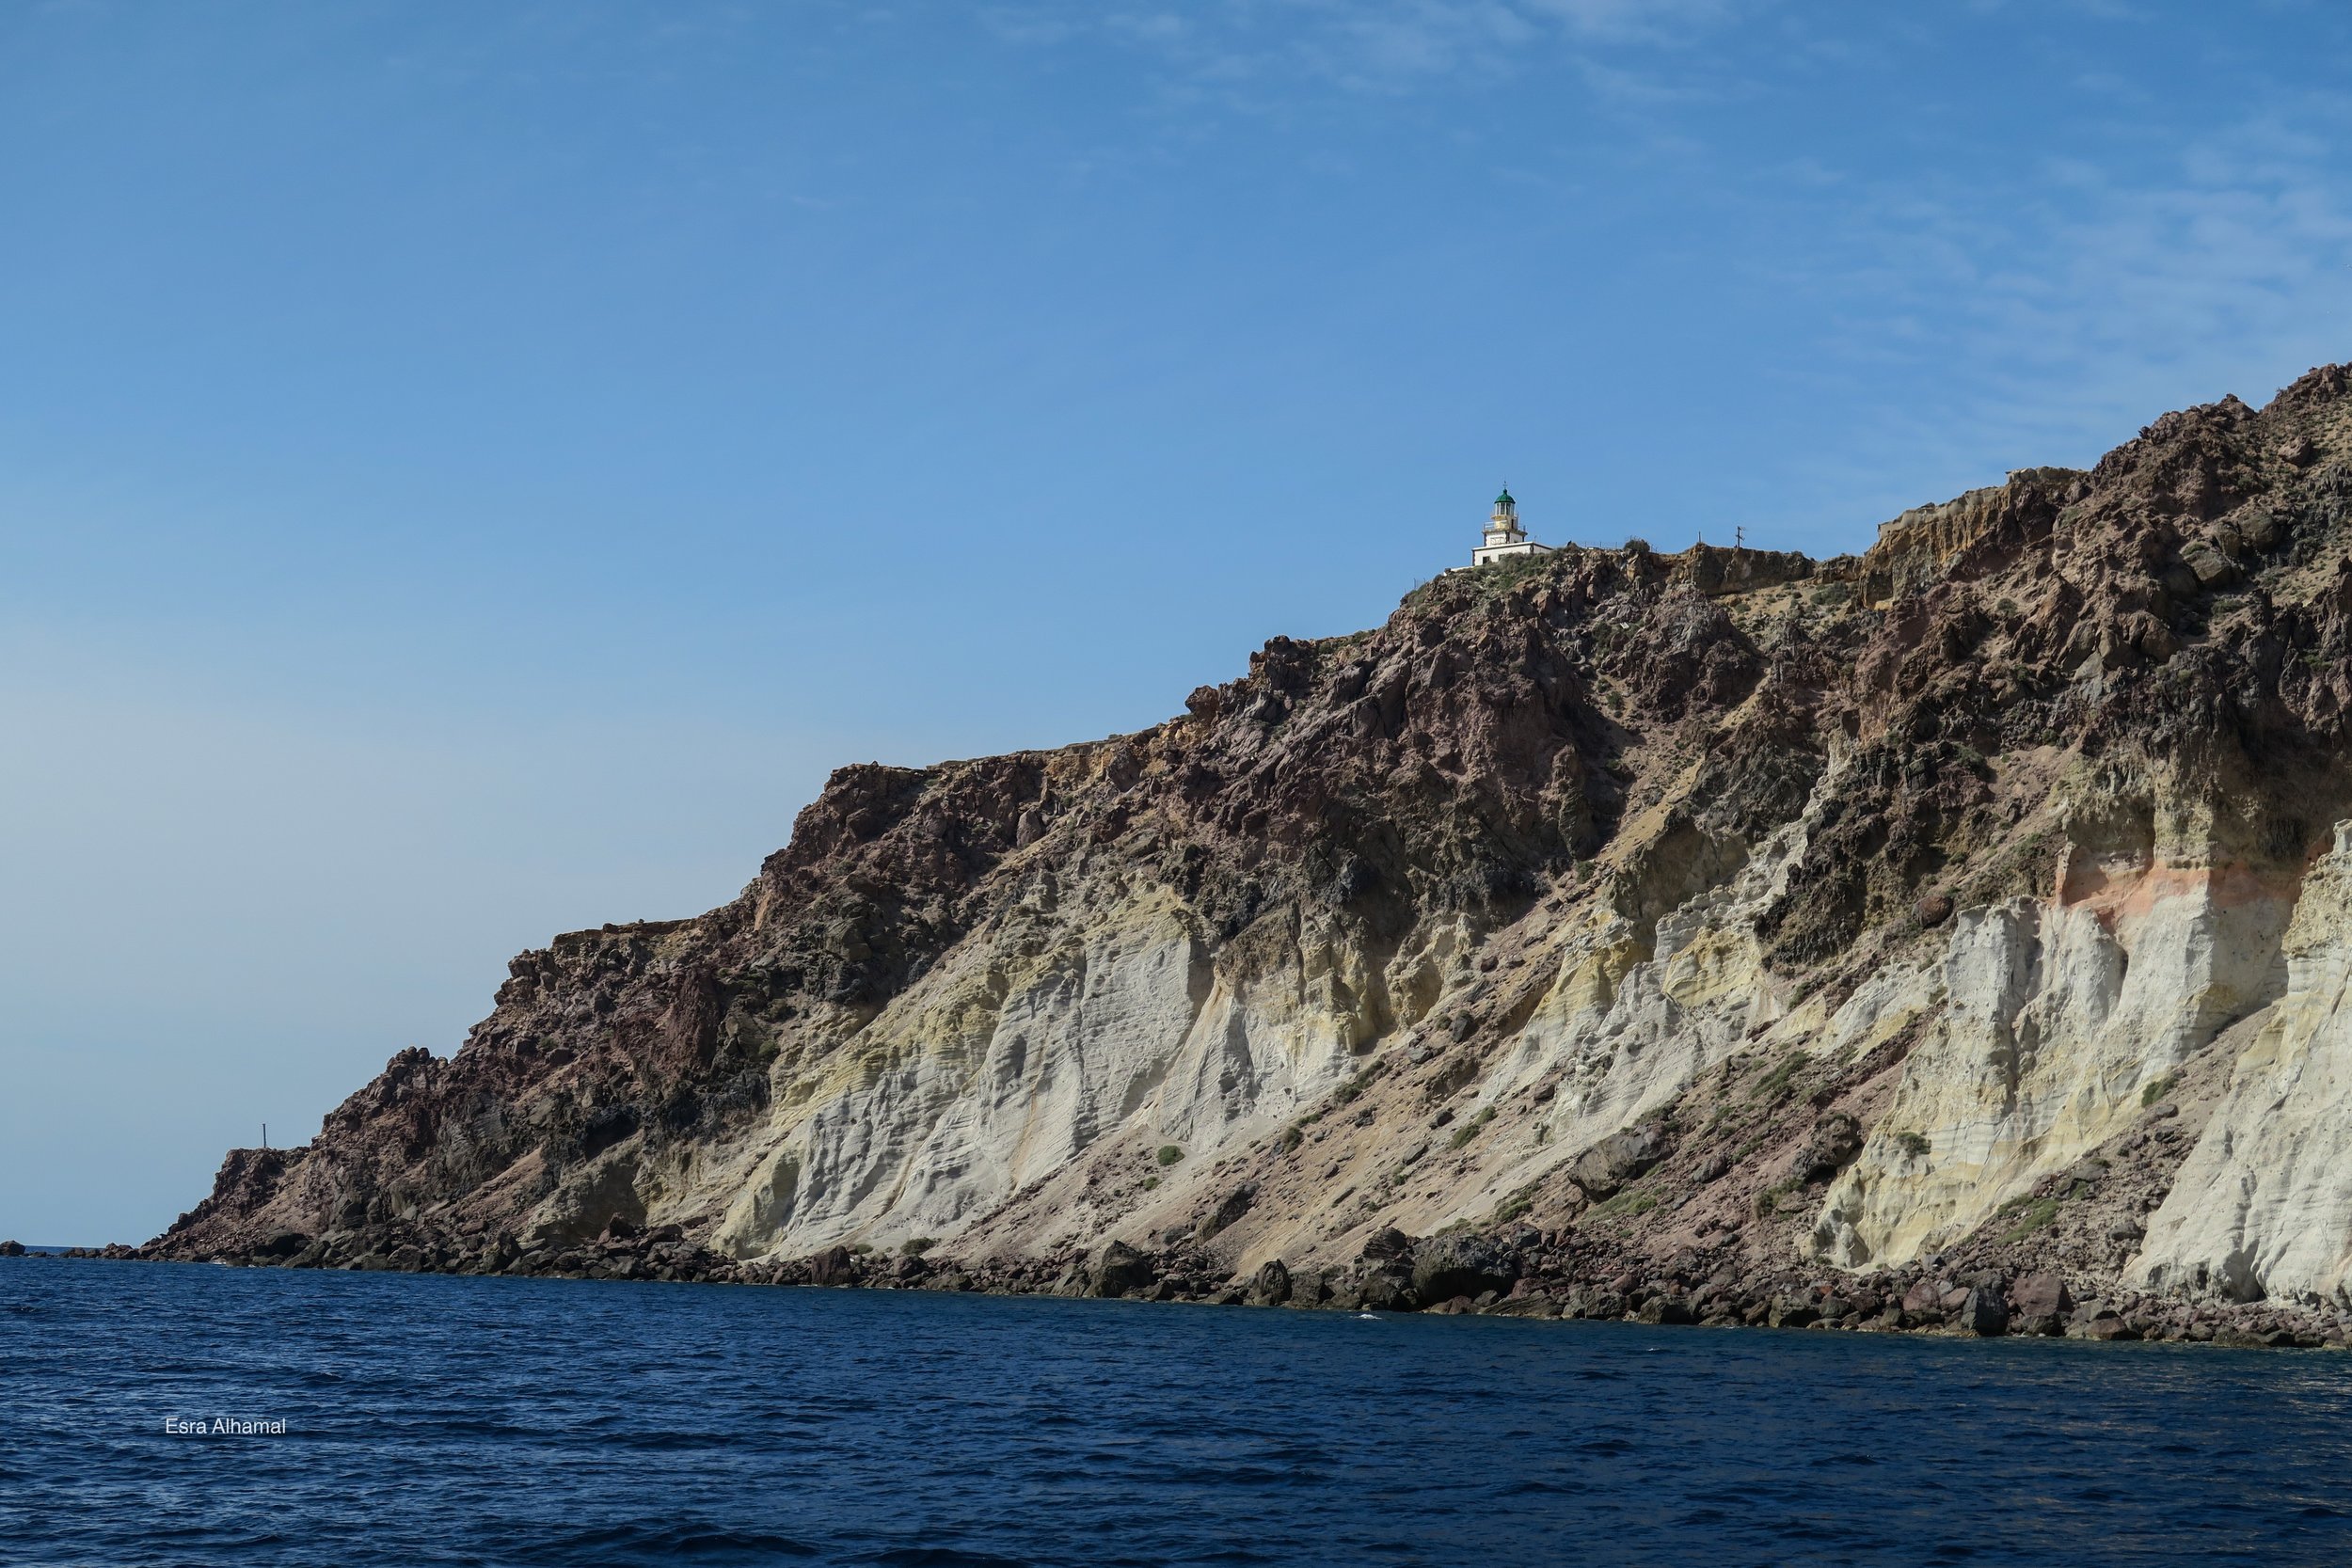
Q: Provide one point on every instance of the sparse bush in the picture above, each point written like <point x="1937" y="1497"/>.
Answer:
<point x="1515" y="1205"/>
<point x="1355" y="1086"/>
<point x="1632" y="1202"/>
<point x="1470" y="1128"/>
<point x="2039" y="1212"/>
<point x="915" y="1246"/>
<point x="1775" y="1085"/>
<point x="1169" y="1154"/>
<point x="2157" y="1089"/>
<point x="1768" y="1201"/>
<point x="1914" y="1144"/>
<point x="1150" y="1182"/>
<point x="1292" y="1138"/>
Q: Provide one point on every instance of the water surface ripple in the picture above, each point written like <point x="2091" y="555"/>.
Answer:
<point x="495" y="1421"/>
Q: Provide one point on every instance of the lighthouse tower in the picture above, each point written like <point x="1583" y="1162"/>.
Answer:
<point x="1504" y="537"/>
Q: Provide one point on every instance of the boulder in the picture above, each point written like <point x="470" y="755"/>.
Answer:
<point x="1983" y="1312"/>
<point x="2041" y="1301"/>
<point x="1603" y="1170"/>
<point x="836" y="1265"/>
<point x="1837" y="1138"/>
<point x="2213" y="568"/>
<point x="1460" y="1264"/>
<point x="1117" y="1269"/>
<point x="1386" y="1244"/>
<point x="1791" y="1312"/>
<point x="1388" y="1292"/>
<point x="1271" y="1285"/>
<point x="11" y="1249"/>
<point x="1236" y="1203"/>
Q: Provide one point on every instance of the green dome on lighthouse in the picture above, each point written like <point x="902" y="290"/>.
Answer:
<point x="1504" y="499"/>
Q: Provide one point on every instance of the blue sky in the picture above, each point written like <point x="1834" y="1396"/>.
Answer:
<point x="467" y="472"/>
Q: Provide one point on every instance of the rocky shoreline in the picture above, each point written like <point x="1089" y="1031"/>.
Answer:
<point x="1526" y="1272"/>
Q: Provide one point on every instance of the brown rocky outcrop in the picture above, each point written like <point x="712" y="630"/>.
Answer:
<point x="1685" y="934"/>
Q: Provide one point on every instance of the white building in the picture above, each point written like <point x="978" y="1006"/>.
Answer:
<point x="1504" y="537"/>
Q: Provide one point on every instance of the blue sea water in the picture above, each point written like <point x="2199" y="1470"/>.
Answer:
<point x="441" y="1420"/>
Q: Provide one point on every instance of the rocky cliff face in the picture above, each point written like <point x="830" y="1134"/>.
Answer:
<point x="1980" y="901"/>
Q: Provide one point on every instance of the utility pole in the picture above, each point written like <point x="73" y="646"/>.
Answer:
<point x="266" y="1135"/>
<point x="1739" y="537"/>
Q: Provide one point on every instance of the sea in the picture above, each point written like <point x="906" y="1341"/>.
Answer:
<point x="184" y="1414"/>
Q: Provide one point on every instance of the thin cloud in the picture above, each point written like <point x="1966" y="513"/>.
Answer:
<point x="1371" y="45"/>
<point x="2088" y="302"/>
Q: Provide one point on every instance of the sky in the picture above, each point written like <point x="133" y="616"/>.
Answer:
<point x="468" y="472"/>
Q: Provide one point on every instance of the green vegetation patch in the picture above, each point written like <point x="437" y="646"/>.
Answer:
<point x="2039" y="1213"/>
<point x="1775" y="1084"/>
<point x="1169" y="1154"/>
<point x="2157" y="1089"/>
<point x="1515" y="1206"/>
<point x="1471" y="1128"/>
<point x="1357" y="1084"/>
<point x="1633" y="1200"/>
<point x="1768" y="1201"/>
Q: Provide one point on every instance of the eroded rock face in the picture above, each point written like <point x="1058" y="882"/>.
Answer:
<point x="2262" y="1204"/>
<point x="1978" y="902"/>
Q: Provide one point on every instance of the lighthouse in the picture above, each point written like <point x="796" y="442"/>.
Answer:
<point x="1504" y="537"/>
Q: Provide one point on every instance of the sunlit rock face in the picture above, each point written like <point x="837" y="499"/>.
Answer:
<point x="2262" y="1205"/>
<point x="1983" y="892"/>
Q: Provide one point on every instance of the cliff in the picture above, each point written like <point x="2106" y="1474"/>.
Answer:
<point x="1975" y="904"/>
